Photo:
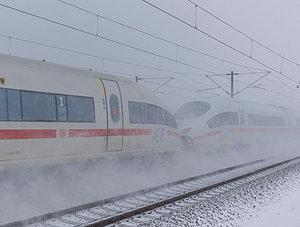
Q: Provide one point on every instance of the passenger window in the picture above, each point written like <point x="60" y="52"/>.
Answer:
<point x="191" y="110"/>
<point x="61" y="107"/>
<point x="14" y="105"/>
<point x="80" y="109"/>
<point x="224" y="119"/>
<point x="3" y="105"/>
<point x="134" y="112"/>
<point x="154" y="114"/>
<point x="265" y="120"/>
<point x="38" y="106"/>
<point x="114" y="108"/>
<point x="144" y="113"/>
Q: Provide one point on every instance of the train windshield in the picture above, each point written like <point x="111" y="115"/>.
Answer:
<point x="191" y="110"/>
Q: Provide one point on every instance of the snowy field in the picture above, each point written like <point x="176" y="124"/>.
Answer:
<point x="270" y="201"/>
<point x="25" y="197"/>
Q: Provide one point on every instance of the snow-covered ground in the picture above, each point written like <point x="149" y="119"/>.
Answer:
<point x="23" y="198"/>
<point x="285" y="211"/>
<point x="270" y="201"/>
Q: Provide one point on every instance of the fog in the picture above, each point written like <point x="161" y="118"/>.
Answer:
<point x="28" y="193"/>
<point x="31" y="192"/>
<point x="272" y="24"/>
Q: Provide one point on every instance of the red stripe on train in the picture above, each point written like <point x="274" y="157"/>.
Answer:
<point x="111" y="132"/>
<point x="115" y="132"/>
<point x="175" y="134"/>
<point x="87" y="132"/>
<point x="14" y="134"/>
<point x="137" y="132"/>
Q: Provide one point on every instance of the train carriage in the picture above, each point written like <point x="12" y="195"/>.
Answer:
<point x="52" y="114"/>
<point x="230" y="123"/>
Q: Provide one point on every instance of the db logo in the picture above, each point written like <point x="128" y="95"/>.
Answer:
<point x="114" y="111"/>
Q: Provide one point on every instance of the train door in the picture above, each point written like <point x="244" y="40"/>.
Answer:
<point x="114" y="115"/>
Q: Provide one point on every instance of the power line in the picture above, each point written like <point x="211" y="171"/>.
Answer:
<point x="162" y="39"/>
<point x="293" y="89"/>
<point x="101" y="57"/>
<point x="242" y="33"/>
<point x="105" y="38"/>
<point x="171" y="86"/>
<point x="216" y="39"/>
<point x="94" y="56"/>
<point x="96" y="35"/>
<point x="114" y="60"/>
<point x="155" y="36"/>
<point x="77" y="7"/>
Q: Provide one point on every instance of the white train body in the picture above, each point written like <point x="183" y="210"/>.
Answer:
<point x="221" y="123"/>
<point x="52" y="114"/>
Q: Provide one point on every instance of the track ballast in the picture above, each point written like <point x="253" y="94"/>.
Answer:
<point x="143" y="206"/>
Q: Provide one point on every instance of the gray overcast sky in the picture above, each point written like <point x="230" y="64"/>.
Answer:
<point x="273" y="23"/>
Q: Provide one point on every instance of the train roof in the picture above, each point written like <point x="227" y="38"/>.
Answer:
<point x="66" y="76"/>
<point x="227" y="101"/>
<point x="55" y="67"/>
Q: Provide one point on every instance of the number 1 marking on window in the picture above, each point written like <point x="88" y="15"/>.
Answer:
<point x="61" y="103"/>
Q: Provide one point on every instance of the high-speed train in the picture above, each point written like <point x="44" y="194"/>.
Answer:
<point x="221" y="122"/>
<point x="51" y="114"/>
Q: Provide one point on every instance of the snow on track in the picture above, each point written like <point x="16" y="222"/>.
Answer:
<point x="244" y="206"/>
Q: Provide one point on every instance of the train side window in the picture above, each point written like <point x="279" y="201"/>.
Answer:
<point x="114" y="108"/>
<point x="164" y="116"/>
<point x="38" y="106"/>
<point x="224" y="119"/>
<point x="3" y="105"/>
<point x="265" y="120"/>
<point x="135" y="112"/>
<point x="190" y="110"/>
<point x="80" y="109"/>
<point x="14" y="105"/>
<point x="61" y="104"/>
<point x="144" y="113"/>
<point x="155" y="116"/>
<point x="171" y="120"/>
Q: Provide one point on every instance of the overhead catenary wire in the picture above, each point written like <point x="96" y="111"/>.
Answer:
<point x="243" y="34"/>
<point x="87" y="32"/>
<point x="107" y="39"/>
<point x="162" y="39"/>
<point x="217" y="40"/>
<point x="177" y="45"/>
<point x="95" y="56"/>
<point x="104" y="38"/>
<point x="260" y="78"/>
<point x="118" y="61"/>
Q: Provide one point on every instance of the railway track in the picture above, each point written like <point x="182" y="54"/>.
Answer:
<point x="143" y="206"/>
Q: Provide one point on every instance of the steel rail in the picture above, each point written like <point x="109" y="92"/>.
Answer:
<point x="116" y="209"/>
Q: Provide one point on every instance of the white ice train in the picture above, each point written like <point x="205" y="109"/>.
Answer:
<point x="51" y="114"/>
<point x="220" y="122"/>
